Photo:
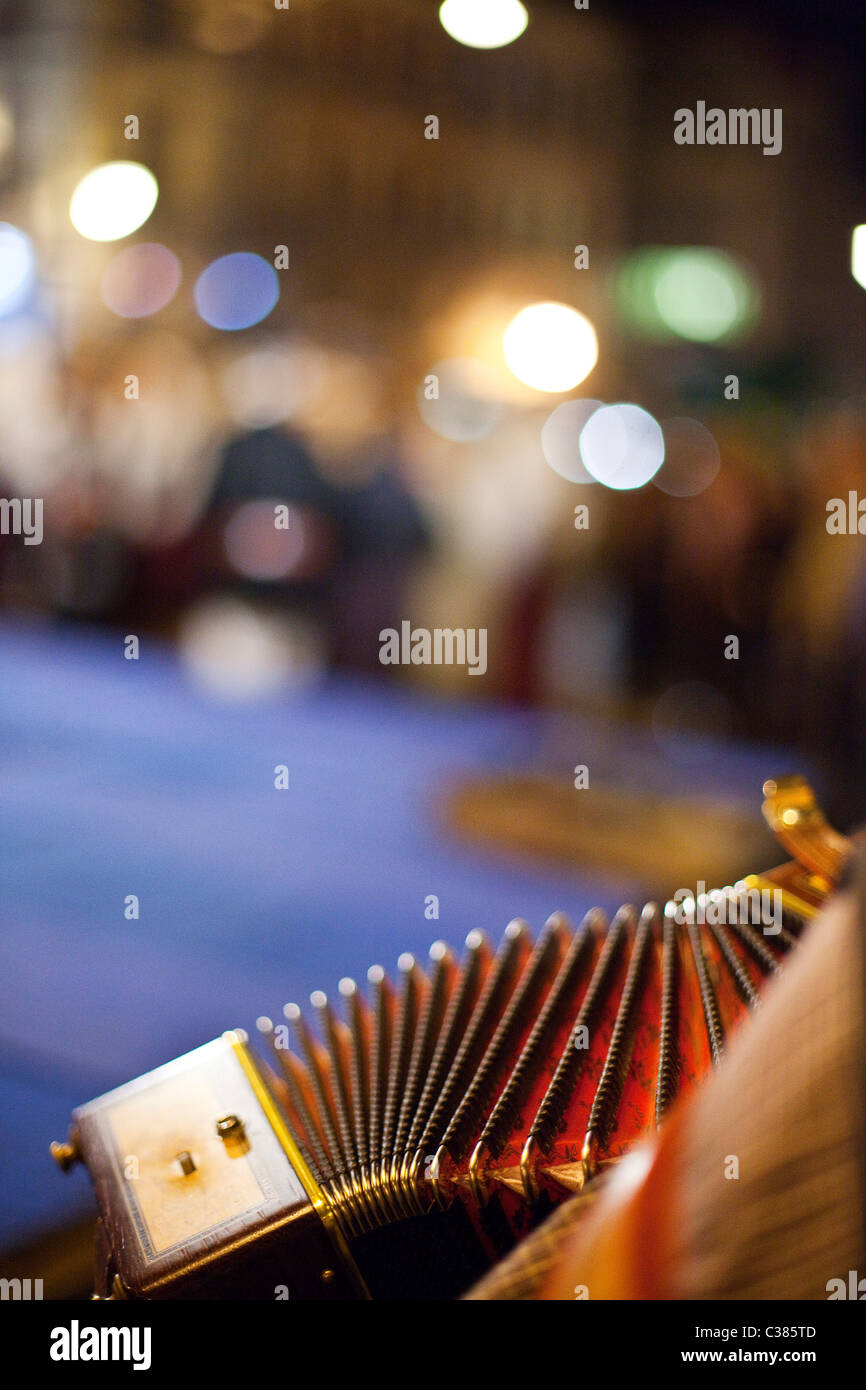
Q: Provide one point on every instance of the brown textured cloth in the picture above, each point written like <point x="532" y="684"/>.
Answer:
<point x="787" y="1103"/>
<point x="522" y="1274"/>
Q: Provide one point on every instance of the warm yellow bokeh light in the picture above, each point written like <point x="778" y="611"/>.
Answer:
<point x="113" y="200"/>
<point x="550" y="347"/>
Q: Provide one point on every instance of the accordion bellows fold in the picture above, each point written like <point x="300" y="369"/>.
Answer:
<point x="502" y="1084"/>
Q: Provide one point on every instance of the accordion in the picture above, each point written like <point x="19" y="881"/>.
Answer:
<point x="398" y="1146"/>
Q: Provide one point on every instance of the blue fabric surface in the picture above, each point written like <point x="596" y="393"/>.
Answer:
<point x="120" y="777"/>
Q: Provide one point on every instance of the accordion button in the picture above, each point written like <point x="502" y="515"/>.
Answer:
<point x="230" y="1127"/>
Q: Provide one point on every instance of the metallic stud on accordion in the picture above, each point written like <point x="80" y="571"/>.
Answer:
<point x="405" y="1144"/>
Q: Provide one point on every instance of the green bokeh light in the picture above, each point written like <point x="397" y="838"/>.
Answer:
<point x="693" y="292"/>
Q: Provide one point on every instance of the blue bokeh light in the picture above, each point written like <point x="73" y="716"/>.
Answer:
<point x="236" y="291"/>
<point x="17" y="270"/>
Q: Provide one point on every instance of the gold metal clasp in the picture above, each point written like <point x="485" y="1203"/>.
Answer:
<point x="799" y="824"/>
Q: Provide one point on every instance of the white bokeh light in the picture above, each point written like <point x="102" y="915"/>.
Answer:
<point x="268" y="384"/>
<point x="622" y="446"/>
<point x="560" y="439"/>
<point x="17" y="269"/>
<point x="483" y="23"/>
<point x="113" y="200"/>
<point x="550" y="347"/>
<point x="466" y="406"/>
<point x="235" y="652"/>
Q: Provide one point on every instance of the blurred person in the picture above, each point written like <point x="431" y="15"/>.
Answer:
<point x="497" y="508"/>
<point x="272" y="522"/>
<point x="83" y="569"/>
<point x="566" y="630"/>
<point x="348" y="415"/>
<point x="129" y="440"/>
<point x="384" y="532"/>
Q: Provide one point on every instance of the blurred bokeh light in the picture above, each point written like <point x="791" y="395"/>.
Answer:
<point x="550" y="347"/>
<point x="858" y="254"/>
<point x="459" y="399"/>
<point x="257" y="549"/>
<point x="560" y="439"/>
<point x="270" y="383"/>
<point x="483" y="23"/>
<point x="113" y="200"/>
<point x="236" y="291"/>
<point x="141" y="280"/>
<point x="238" y="653"/>
<point x="622" y="446"/>
<point x="692" y="458"/>
<point x="696" y="292"/>
<point x="17" y="270"/>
